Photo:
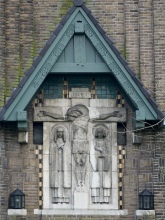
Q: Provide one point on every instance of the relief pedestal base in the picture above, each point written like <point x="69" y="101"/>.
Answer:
<point x="81" y="212"/>
<point x="81" y="200"/>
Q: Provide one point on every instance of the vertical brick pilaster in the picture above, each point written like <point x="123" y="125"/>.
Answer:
<point x="26" y="36"/>
<point x="159" y="64"/>
<point x="146" y="65"/>
<point x="2" y="52"/>
<point x="159" y="181"/>
<point x="3" y="176"/>
<point x="110" y="15"/>
<point x="46" y="15"/>
<point x="12" y="44"/>
<point x="159" y="46"/>
<point x="119" y="26"/>
<point x="132" y="34"/>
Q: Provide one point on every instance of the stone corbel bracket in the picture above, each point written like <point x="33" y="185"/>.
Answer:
<point x="22" y="127"/>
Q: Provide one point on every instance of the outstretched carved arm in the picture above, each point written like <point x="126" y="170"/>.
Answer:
<point x="52" y="115"/>
<point x="108" y="115"/>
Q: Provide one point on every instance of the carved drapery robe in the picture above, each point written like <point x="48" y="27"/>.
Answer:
<point x="103" y="157"/>
<point x="101" y="175"/>
<point x="60" y="167"/>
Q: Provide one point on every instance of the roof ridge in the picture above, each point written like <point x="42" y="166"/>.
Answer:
<point x="78" y="2"/>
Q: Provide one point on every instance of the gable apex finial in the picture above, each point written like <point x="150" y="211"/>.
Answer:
<point x="78" y="2"/>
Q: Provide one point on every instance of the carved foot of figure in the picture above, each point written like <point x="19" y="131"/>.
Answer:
<point x="81" y="183"/>
<point x="81" y="188"/>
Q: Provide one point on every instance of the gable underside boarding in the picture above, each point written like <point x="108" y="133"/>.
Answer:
<point x="80" y="56"/>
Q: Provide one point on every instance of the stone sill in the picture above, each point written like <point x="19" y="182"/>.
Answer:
<point x="145" y="212"/>
<point x="17" y="212"/>
<point x="80" y="212"/>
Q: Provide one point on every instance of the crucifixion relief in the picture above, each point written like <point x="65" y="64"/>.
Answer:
<point x="82" y="155"/>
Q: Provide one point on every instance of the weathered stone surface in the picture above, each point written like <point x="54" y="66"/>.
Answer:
<point x="23" y="137"/>
<point x="69" y="175"/>
<point x="59" y="113"/>
<point x="17" y="212"/>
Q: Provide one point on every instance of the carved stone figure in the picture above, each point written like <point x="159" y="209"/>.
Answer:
<point x="58" y="163"/>
<point x="101" y="146"/>
<point x="79" y="115"/>
<point x="100" y="189"/>
<point x="80" y="168"/>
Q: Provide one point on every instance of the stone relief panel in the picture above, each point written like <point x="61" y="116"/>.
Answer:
<point x="80" y="151"/>
<point x="60" y="164"/>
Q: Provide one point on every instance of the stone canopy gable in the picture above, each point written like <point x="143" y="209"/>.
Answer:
<point x="80" y="24"/>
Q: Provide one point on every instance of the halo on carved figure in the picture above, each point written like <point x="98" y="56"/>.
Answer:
<point x="76" y="112"/>
<point x="100" y="127"/>
<point x="57" y="128"/>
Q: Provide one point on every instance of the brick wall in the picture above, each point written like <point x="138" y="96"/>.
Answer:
<point x="138" y="29"/>
<point x="3" y="174"/>
<point x="2" y="53"/>
<point x="22" y="169"/>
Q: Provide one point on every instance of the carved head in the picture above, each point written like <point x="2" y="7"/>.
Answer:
<point x="73" y="114"/>
<point x="59" y="133"/>
<point x="100" y="133"/>
<point x="76" y="112"/>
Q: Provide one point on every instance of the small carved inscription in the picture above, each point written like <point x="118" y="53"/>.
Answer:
<point x="82" y="95"/>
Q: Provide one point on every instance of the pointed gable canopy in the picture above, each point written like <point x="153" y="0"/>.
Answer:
<point x="80" y="45"/>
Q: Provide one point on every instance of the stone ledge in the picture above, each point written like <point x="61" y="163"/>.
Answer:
<point x="80" y="212"/>
<point x="145" y="212"/>
<point x="17" y="212"/>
